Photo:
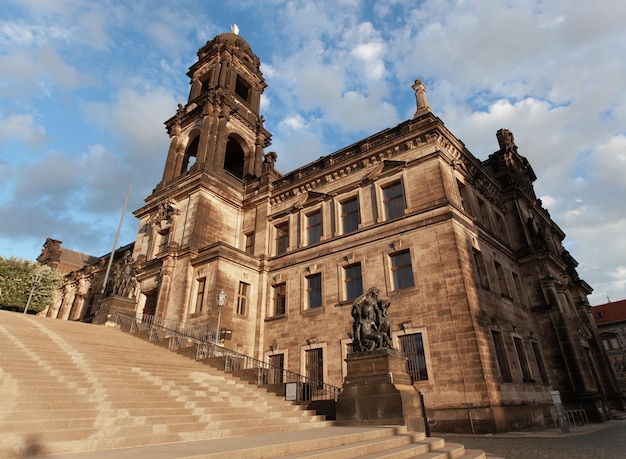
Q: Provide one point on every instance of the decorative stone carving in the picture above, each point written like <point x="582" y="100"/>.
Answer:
<point x="420" y="98"/>
<point x="164" y="218"/>
<point x="506" y="141"/>
<point x="371" y="328"/>
<point x="51" y="253"/>
<point x="270" y="159"/>
<point x="124" y="277"/>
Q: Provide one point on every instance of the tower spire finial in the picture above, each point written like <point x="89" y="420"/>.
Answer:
<point x="234" y="29"/>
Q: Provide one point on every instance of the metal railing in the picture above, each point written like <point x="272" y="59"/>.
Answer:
<point x="182" y="335"/>
<point x="576" y="417"/>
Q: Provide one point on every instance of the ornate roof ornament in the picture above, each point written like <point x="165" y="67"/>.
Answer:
<point x="420" y="98"/>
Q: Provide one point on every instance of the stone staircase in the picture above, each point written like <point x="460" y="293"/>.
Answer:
<point x="86" y="391"/>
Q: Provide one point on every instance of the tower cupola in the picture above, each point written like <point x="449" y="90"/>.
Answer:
<point x="219" y="130"/>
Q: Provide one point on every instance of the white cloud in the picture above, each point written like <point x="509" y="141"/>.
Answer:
<point x="609" y="160"/>
<point x="21" y="34"/>
<point x="23" y="73"/>
<point x="21" y="127"/>
<point x="295" y="122"/>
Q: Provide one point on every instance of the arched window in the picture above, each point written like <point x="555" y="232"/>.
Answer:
<point x="190" y="155"/>
<point x="233" y="160"/>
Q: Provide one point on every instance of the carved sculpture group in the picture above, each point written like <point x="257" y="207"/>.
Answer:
<point x="371" y="328"/>
<point x="124" y="277"/>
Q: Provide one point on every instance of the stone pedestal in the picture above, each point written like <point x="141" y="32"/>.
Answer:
<point x="378" y="391"/>
<point x="112" y="304"/>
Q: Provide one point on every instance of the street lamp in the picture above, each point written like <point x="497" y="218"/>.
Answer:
<point x="33" y="286"/>
<point x="220" y="299"/>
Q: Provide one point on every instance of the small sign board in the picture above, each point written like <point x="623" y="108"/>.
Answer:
<point x="560" y="412"/>
<point x="291" y="391"/>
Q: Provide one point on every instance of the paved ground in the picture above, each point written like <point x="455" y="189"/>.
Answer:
<point x="594" y="441"/>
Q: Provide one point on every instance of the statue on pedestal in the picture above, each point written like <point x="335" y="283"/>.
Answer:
<point x="377" y="390"/>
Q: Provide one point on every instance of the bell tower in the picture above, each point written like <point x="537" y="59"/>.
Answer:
<point x="195" y="213"/>
<point x="219" y="130"/>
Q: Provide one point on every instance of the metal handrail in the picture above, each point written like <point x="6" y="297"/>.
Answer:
<point x="183" y="335"/>
<point x="577" y="417"/>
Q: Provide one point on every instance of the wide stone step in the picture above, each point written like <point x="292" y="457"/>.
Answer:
<point x="137" y="437"/>
<point x="121" y="435"/>
<point x="302" y="443"/>
<point x="45" y="404"/>
<point x="368" y="448"/>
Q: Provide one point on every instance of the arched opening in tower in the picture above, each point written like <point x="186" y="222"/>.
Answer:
<point x="190" y="155"/>
<point x="233" y="160"/>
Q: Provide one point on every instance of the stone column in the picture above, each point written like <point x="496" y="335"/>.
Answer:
<point x="170" y="170"/>
<point x="66" y="305"/>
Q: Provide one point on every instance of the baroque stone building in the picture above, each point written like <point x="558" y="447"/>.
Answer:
<point x="485" y="301"/>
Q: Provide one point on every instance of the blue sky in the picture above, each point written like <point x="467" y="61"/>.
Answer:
<point x="85" y="87"/>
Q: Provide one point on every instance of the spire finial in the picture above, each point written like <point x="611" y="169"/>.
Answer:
<point x="234" y="29"/>
<point x="420" y="98"/>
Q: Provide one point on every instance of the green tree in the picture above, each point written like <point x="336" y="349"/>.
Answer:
<point x="16" y="281"/>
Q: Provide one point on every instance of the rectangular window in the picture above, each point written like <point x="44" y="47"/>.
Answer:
<point x="518" y="288"/>
<point x="280" y="299"/>
<point x="250" y="243"/>
<point x="393" y="200"/>
<point x="242" y="88"/>
<point x="165" y="239"/>
<point x="504" y="289"/>
<point x="350" y="215"/>
<point x="464" y="197"/>
<point x="200" y="295"/>
<point x="540" y="366"/>
<point x="482" y="211"/>
<point x="282" y="238"/>
<point x="401" y="270"/>
<point x="354" y="281"/>
<point x="481" y="269"/>
<point x="242" y="299"/>
<point x="523" y="362"/>
<point x="314" y="290"/>
<point x="503" y="361"/>
<point x="500" y="227"/>
<point x="413" y="347"/>
<point x="314" y="227"/>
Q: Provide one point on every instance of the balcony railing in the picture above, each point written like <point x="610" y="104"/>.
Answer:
<point x="183" y="335"/>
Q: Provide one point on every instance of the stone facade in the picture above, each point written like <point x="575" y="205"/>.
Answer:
<point x="486" y="302"/>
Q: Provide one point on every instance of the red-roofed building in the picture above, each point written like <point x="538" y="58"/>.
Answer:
<point x="611" y="321"/>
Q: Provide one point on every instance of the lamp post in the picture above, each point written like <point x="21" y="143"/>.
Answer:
<point x="220" y="299"/>
<point x="33" y="286"/>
